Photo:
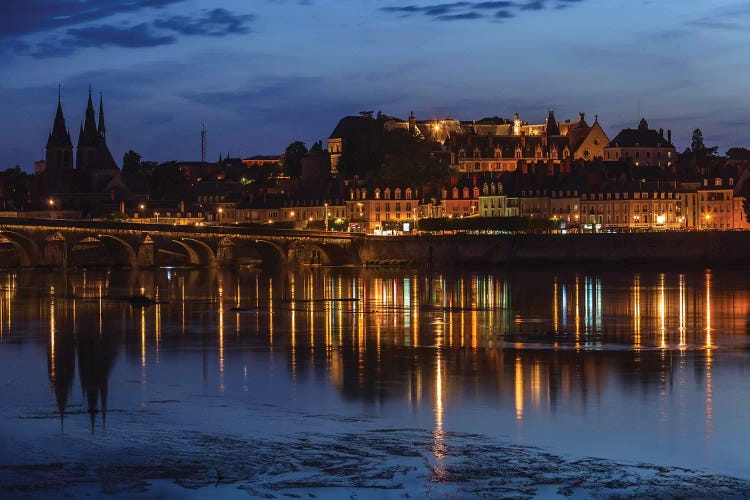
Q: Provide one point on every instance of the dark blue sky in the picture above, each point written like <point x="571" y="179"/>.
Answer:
<point x="262" y="73"/>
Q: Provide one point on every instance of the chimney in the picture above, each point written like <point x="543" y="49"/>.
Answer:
<point x="581" y="117"/>
<point x="661" y="133"/>
<point x="669" y="136"/>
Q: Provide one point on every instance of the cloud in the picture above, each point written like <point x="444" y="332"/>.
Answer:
<point x="26" y="17"/>
<point x="468" y="10"/>
<point x="216" y="23"/>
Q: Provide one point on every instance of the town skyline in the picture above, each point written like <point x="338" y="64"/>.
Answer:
<point x="262" y="77"/>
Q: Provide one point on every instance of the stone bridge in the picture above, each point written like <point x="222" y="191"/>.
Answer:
<point x="59" y="243"/>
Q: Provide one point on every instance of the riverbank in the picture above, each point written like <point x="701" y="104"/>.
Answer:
<point x="699" y="248"/>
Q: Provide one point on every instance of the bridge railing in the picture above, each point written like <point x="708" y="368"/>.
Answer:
<point x="166" y="228"/>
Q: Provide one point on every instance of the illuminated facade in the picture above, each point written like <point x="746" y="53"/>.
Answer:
<point x="367" y="209"/>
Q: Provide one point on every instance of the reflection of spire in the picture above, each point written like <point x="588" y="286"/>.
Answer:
<point x="96" y="356"/>
<point x="61" y="363"/>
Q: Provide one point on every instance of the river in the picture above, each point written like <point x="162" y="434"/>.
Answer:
<point x="353" y="383"/>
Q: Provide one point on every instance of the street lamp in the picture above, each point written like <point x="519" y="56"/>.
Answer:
<point x="51" y="208"/>
<point x="156" y="214"/>
<point x="219" y="211"/>
<point x="325" y="205"/>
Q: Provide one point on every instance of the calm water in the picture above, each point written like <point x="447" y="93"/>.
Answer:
<point x="373" y="383"/>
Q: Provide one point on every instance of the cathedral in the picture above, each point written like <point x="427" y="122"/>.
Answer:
<point x="95" y="176"/>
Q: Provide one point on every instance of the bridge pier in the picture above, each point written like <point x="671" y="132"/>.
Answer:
<point x="56" y="251"/>
<point x="146" y="253"/>
<point x="225" y="253"/>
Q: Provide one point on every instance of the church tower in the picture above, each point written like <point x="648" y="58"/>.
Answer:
<point x="59" y="146"/>
<point x="59" y="151"/>
<point x="88" y="139"/>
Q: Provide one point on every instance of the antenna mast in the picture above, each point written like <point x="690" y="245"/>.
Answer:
<point x="203" y="143"/>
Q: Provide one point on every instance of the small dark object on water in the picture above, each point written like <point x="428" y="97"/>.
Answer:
<point x="141" y="301"/>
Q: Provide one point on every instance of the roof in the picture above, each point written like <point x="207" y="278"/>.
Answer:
<point x="349" y="126"/>
<point x="642" y="137"/>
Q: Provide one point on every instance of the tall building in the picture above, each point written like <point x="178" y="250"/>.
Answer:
<point x="59" y="152"/>
<point x="92" y="154"/>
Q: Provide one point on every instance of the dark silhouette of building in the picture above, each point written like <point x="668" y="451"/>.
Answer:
<point x="59" y="153"/>
<point x="94" y="181"/>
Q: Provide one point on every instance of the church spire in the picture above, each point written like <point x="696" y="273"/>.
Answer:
<point x="89" y="135"/>
<point x="102" y="129"/>
<point x="59" y="136"/>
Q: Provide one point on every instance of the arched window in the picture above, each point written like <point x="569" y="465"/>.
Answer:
<point x="475" y="192"/>
<point x="465" y="193"/>
<point x="454" y="192"/>
<point x="408" y="193"/>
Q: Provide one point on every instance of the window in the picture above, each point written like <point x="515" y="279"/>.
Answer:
<point x="408" y="193"/>
<point x="387" y="194"/>
<point x="377" y="193"/>
<point x="398" y="193"/>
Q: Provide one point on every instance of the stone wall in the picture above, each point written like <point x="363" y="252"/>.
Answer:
<point x="453" y="250"/>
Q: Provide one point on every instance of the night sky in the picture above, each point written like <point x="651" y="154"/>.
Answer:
<point x="262" y="73"/>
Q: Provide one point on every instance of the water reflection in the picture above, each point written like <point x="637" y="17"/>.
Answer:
<point x="532" y="344"/>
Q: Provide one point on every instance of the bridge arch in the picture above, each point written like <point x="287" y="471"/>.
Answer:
<point x="205" y="253"/>
<point x="271" y="252"/>
<point x="129" y="252"/>
<point x="326" y="254"/>
<point x="199" y="253"/>
<point x="28" y="250"/>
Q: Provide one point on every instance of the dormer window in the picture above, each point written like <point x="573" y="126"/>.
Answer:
<point x="398" y="193"/>
<point x="454" y="193"/>
<point x="387" y="194"/>
<point x="465" y="193"/>
<point x="408" y="193"/>
<point x="377" y="193"/>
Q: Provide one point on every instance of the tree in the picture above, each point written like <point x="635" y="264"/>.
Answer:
<point x="741" y="154"/>
<point x="410" y="158"/>
<point x="292" y="161"/>
<point x="131" y="163"/>
<point x="697" y="144"/>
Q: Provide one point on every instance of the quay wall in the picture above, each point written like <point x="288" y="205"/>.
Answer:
<point x="702" y="247"/>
